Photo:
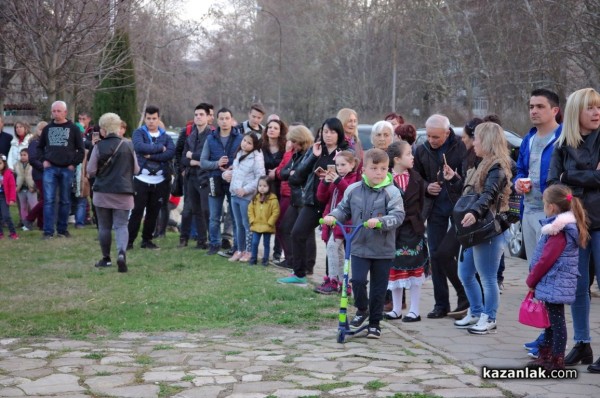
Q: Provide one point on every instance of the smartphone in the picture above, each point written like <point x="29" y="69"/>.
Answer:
<point x="95" y="134"/>
<point x="331" y="168"/>
<point x="319" y="171"/>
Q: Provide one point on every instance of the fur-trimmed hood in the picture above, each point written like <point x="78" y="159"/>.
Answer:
<point x="554" y="225"/>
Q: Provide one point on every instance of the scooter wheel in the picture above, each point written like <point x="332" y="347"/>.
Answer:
<point x="341" y="335"/>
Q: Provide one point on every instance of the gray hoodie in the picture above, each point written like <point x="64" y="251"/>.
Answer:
<point x="362" y="202"/>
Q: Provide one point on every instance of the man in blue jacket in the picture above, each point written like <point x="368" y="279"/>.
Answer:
<point x="154" y="150"/>
<point x="534" y="162"/>
<point x="217" y="156"/>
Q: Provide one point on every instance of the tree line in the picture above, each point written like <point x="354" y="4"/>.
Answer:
<point x="304" y="59"/>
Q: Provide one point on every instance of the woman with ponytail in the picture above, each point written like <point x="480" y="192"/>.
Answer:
<point x="554" y="271"/>
<point x="576" y="164"/>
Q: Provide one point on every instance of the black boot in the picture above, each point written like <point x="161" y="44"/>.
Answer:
<point x="595" y="367"/>
<point x="122" y="262"/>
<point x="580" y="352"/>
<point x="183" y="242"/>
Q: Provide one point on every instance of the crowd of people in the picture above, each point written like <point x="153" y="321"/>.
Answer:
<point x="243" y="183"/>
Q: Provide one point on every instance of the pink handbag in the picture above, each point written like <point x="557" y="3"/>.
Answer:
<point x="533" y="312"/>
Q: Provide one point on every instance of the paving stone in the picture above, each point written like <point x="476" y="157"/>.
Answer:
<point x="76" y="361"/>
<point x="247" y="395"/>
<point x="323" y="376"/>
<point x="150" y="377"/>
<point x="201" y="392"/>
<point x="265" y="387"/>
<point x="322" y="367"/>
<point x="210" y="372"/>
<point x="352" y="391"/>
<point x="34" y="373"/>
<point x="62" y="345"/>
<point x="402" y="387"/>
<point x="443" y="383"/>
<point x="140" y="391"/>
<point x="113" y="359"/>
<point x="270" y="358"/>
<point x="8" y="381"/>
<point x="203" y="381"/>
<point x="101" y="383"/>
<point x="251" y="377"/>
<point x="37" y="354"/>
<point x="16" y="364"/>
<point x="225" y="379"/>
<point x="468" y="393"/>
<point x="374" y="369"/>
<point x="53" y="384"/>
<point x="11" y="392"/>
<point x="8" y="341"/>
<point x="295" y="393"/>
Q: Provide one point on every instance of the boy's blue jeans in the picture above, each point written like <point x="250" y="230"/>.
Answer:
<point x="380" y="273"/>
<point x="267" y="246"/>
<point x="484" y="259"/>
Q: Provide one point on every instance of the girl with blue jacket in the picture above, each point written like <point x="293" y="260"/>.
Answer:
<point x="554" y="268"/>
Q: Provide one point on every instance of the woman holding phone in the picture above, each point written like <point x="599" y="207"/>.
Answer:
<point x="329" y="142"/>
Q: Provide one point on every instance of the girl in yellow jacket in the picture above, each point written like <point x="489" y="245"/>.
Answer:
<point x="263" y="212"/>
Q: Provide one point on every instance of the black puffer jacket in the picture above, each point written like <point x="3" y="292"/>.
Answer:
<point x="576" y="168"/>
<point x="295" y="187"/>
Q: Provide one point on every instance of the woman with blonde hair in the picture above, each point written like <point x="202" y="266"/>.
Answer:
<point x="491" y="180"/>
<point x="576" y="163"/>
<point x="349" y="119"/>
<point x="20" y="141"/>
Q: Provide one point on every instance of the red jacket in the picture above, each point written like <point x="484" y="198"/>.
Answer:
<point x="9" y="185"/>
<point x="332" y="194"/>
<point x="285" y="189"/>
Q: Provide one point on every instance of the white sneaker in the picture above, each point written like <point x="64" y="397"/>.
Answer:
<point x="483" y="326"/>
<point x="467" y="321"/>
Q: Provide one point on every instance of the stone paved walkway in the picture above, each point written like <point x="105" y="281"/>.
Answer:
<point x="430" y="357"/>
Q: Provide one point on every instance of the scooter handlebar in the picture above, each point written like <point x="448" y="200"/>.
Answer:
<point x="364" y="224"/>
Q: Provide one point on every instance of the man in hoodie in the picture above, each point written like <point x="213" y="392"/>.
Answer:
<point x="154" y="150"/>
<point x="60" y="149"/>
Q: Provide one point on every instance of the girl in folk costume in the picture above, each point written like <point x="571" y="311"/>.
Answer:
<point x="408" y="271"/>
<point x="331" y="191"/>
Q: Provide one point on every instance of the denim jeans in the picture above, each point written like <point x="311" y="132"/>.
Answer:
<point x="80" y="210"/>
<point x="5" y="217"/>
<point x="580" y="309"/>
<point x="57" y="179"/>
<point x="239" y="206"/>
<point x="215" y="209"/>
<point x="267" y="246"/>
<point x="484" y="259"/>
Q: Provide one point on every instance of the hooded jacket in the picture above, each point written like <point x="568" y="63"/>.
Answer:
<point x="144" y="145"/>
<point x="554" y="267"/>
<point x="15" y="150"/>
<point x="245" y="173"/>
<point x="360" y="203"/>
<point x="263" y="215"/>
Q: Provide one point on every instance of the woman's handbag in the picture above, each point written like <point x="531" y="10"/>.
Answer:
<point x="533" y="312"/>
<point x="483" y="229"/>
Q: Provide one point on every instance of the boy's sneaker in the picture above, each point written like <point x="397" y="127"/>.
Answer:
<point x="236" y="256"/>
<point x="212" y="250"/>
<point x="293" y="280"/>
<point x="483" y="326"/>
<point x="225" y="244"/>
<point x="105" y="262"/>
<point x="359" y="319"/>
<point x="282" y="264"/>
<point x="467" y="321"/>
<point x="14" y="236"/>
<point x="226" y="253"/>
<point x="535" y="344"/>
<point x="374" y="332"/>
<point x="148" y="244"/>
<point x="65" y="234"/>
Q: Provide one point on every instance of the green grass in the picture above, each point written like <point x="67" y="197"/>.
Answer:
<point x="51" y="288"/>
<point x="332" y="386"/>
<point x="375" y="385"/>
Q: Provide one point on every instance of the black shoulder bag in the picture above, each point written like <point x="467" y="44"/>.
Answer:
<point x="484" y="228"/>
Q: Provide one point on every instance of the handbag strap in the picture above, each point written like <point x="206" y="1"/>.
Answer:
<point x="110" y="158"/>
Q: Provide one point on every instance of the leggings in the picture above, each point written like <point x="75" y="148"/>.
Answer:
<point x="555" y="336"/>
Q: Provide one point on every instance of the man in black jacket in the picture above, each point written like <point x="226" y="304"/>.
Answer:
<point x="195" y="205"/>
<point x="60" y="149"/>
<point x="442" y="146"/>
<point x="5" y="139"/>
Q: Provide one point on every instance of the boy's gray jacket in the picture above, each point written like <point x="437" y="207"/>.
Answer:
<point x="362" y="202"/>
